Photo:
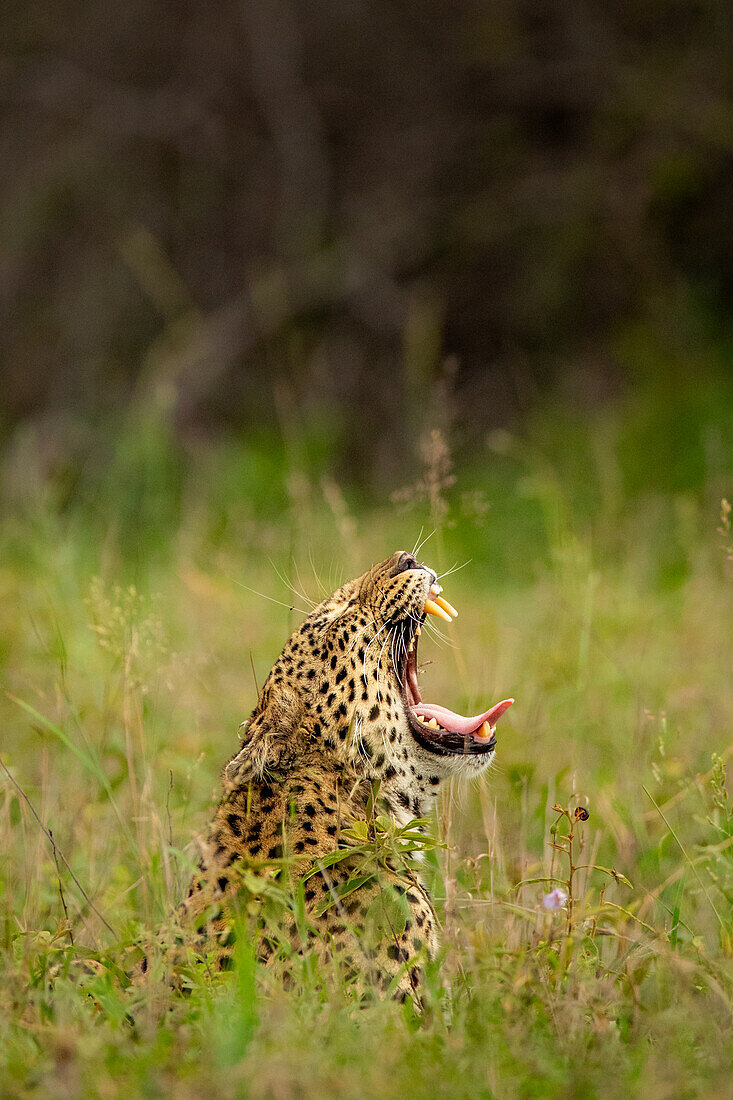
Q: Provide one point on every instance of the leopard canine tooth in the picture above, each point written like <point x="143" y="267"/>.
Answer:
<point x="432" y="608"/>
<point x="436" y="589"/>
<point x="484" y="732"/>
<point x="446" y="606"/>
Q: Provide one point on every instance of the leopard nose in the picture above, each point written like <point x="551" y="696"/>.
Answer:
<point x="406" y="561"/>
<point x="409" y="561"/>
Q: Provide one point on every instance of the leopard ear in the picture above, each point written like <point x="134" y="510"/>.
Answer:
<point x="266" y="736"/>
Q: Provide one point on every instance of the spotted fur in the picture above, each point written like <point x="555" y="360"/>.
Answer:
<point x="330" y="721"/>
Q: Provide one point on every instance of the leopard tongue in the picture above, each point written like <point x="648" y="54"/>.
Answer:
<point x="456" y="723"/>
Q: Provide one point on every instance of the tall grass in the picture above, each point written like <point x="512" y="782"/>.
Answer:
<point x="139" y="609"/>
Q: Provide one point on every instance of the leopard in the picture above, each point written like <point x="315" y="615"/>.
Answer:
<point x="340" y="734"/>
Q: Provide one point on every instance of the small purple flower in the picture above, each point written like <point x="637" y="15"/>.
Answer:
<point x="555" y="899"/>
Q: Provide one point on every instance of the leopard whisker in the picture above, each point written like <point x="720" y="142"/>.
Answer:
<point x="319" y="582"/>
<point x="359" y="634"/>
<point x="291" y="587"/>
<point x="379" y="664"/>
<point x="427" y="538"/>
<point x="360" y="741"/>
<point x="441" y="638"/>
<point x="290" y="606"/>
<point x="387" y="750"/>
<point x="455" y="568"/>
<point x="300" y="581"/>
<point x="391" y="648"/>
<point x="401" y="648"/>
<point x="364" y="677"/>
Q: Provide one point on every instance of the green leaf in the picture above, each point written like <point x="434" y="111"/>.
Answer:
<point x="344" y="891"/>
<point x="387" y="915"/>
<point x="329" y="860"/>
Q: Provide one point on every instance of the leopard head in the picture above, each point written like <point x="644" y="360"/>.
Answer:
<point x="345" y="688"/>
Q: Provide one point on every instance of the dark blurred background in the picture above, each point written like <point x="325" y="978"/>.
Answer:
<point x="360" y="216"/>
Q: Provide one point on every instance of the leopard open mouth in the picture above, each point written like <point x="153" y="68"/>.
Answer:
<point x="435" y="727"/>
